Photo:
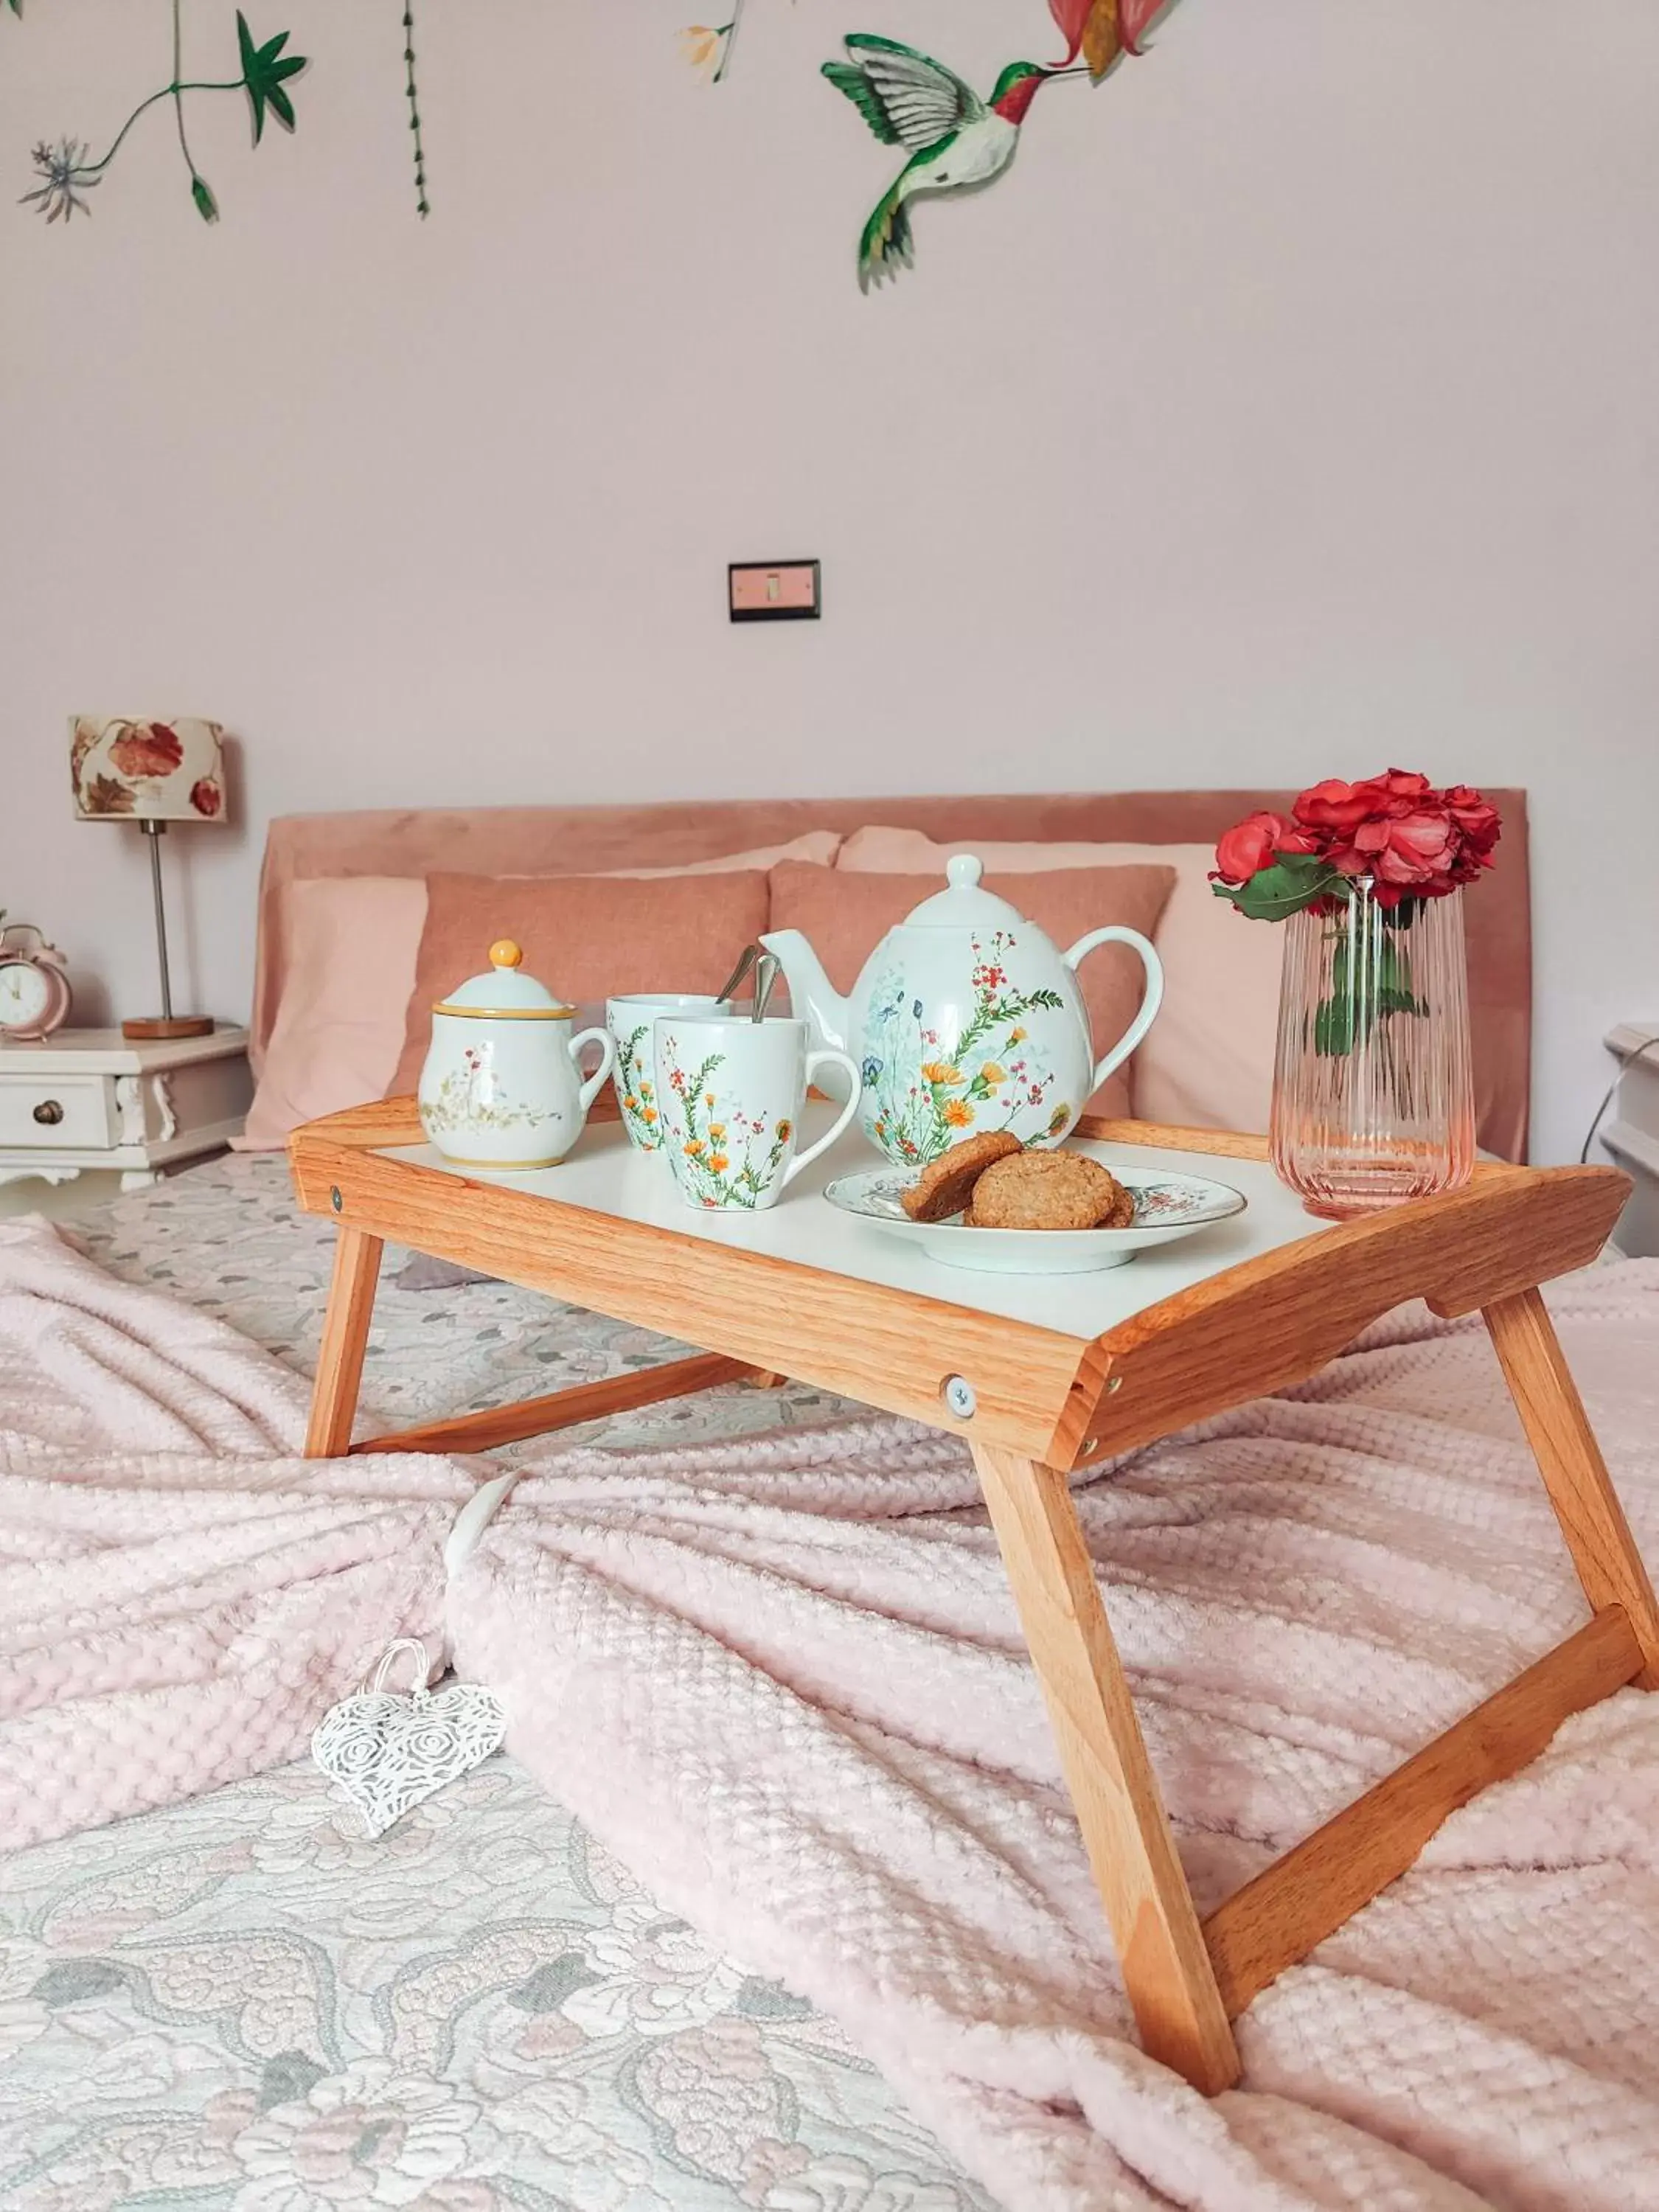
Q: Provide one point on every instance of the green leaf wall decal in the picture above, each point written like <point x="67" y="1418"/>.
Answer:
<point x="264" y="69"/>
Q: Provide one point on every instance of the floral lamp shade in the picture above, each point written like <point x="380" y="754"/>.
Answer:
<point x="129" y="769"/>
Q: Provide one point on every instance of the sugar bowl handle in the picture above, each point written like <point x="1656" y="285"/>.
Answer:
<point x="607" y="1044"/>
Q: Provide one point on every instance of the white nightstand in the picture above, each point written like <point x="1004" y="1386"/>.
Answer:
<point x="1631" y="1133"/>
<point x="90" y="1099"/>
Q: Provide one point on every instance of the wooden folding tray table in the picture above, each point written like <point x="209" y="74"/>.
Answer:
<point x="1040" y="1376"/>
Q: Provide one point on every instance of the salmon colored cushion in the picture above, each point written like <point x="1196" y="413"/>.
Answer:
<point x="1208" y="1062"/>
<point x="584" y="937"/>
<point x="845" y="914"/>
<point x="350" y="943"/>
<point x="345" y="967"/>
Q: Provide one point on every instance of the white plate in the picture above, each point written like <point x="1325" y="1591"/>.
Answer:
<point x="1167" y="1208"/>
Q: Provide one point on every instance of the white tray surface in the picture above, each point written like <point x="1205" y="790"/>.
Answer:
<point x="607" y="1174"/>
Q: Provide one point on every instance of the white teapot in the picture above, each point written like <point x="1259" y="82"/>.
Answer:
<point x="966" y="1017"/>
<point x="501" y="1087"/>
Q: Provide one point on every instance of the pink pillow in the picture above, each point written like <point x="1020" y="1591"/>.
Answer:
<point x="1208" y="1062"/>
<point x="845" y="916"/>
<point x="349" y="967"/>
<point x="584" y="937"/>
<point x="821" y="845"/>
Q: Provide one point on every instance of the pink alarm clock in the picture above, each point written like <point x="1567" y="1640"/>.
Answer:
<point x="35" y="991"/>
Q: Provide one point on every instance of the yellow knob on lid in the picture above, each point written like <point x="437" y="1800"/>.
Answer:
<point x="504" y="953"/>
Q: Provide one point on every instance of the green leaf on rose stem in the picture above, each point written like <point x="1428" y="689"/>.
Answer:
<point x="1334" y="1028"/>
<point x="264" y="69"/>
<point x="1393" y="972"/>
<point x="1342" y="1021"/>
<point x="1294" y="880"/>
<point x="207" y="206"/>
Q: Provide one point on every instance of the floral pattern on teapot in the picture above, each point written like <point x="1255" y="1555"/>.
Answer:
<point x="921" y="1096"/>
<point x="966" y="1017"/>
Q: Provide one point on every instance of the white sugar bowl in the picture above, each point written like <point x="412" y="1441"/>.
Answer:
<point x="501" y="1087"/>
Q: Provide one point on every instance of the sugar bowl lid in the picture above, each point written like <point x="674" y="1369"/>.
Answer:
<point x="504" y="992"/>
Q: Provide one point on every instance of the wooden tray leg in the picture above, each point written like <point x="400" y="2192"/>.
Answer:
<point x="345" y="1339"/>
<point x="1166" y="1966"/>
<point x="1574" y="1474"/>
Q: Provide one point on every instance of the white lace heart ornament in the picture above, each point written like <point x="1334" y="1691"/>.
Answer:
<point x="389" y="1750"/>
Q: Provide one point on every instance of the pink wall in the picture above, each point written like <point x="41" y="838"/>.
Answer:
<point x="1289" y="409"/>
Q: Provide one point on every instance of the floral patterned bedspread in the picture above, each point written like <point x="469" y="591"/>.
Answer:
<point x="241" y="2005"/>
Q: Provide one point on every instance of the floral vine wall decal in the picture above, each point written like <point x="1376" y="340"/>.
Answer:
<point x="68" y="173"/>
<point x="1101" y="31"/>
<point x="413" y="96"/>
<point x="708" y="48"/>
<point x="957" y="141"/>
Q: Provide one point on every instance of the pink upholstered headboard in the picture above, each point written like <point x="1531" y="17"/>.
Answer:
<point x="552" y="841"/>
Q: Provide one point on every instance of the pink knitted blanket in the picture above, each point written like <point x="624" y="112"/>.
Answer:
<point x="782" y="1678"/>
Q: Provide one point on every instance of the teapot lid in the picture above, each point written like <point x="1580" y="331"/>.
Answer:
<point x="504" y="991"/>
<point x="964" y="904"/>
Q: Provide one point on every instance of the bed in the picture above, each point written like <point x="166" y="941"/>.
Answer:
<point x="169" y="1979"/>
<point x="236" y="2002"/>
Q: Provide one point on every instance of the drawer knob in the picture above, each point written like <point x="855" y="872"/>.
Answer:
<point x="48" y="1112"/>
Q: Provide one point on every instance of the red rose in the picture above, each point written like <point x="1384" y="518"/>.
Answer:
<point x="1476" y="819"/>
<point x="1414" y="850"/>
<point x="1400" y="792"/>
<point x="1335" y="805"/>
<point x="206" y="797"/>
<point x="147" y="749"/>
<point x="1252" y="844"/>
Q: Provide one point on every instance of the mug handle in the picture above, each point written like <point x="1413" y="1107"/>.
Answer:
<point x="590" y="1089"/>
<point x="1149" y="1005"/>
<point x="814" y="1062"/>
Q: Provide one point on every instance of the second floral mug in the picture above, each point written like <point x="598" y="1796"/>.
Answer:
<point x="630" y="1017"/>
<point x="732" y="1091"/>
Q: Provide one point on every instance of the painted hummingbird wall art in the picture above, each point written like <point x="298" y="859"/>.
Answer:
<point x="954" y="139"/>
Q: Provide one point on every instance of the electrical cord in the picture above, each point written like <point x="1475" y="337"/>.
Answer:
<point x="1626" y="1062"/>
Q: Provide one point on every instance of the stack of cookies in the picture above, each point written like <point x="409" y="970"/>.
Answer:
<point x="993" y="1182"/>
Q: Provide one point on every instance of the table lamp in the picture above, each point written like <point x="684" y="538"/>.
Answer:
<point x="150" y="773"/>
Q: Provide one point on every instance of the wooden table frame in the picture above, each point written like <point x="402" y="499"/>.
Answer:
<point x="1045" y="1404"/>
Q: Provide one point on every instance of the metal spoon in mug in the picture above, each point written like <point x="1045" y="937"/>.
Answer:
<point x="766" y="977"/>
<point x="746" y="960"/>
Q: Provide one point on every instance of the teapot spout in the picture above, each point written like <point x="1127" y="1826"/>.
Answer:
<point x="812" y="996"/>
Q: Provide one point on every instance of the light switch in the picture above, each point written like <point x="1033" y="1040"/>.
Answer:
<point x="773" y="591"/>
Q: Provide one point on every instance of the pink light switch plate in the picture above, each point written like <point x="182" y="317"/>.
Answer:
<point x="777" y="591"/>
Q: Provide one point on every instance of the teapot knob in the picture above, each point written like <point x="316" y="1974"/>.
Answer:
<point x="964" y="870"/>
<point x="504" y="953"/>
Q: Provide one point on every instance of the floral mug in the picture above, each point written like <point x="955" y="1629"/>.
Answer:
<point x="732" y="1091"/>
<point x="630" y="1017"/>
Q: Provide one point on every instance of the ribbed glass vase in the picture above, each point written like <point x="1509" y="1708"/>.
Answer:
<point x="1373" y="1097"/>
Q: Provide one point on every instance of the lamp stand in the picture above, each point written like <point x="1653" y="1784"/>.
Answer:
<point x="168" y="1023"/>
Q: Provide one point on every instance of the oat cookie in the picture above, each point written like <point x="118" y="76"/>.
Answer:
<point x="1050" y="1190"/>
<point x="945" y="1185"/>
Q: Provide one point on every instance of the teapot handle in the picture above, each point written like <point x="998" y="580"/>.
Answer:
<point x="1113" y="934"/>
<point x="607" y="1043"/>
